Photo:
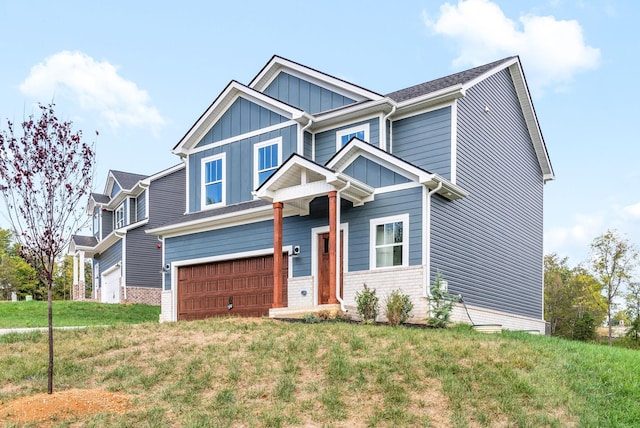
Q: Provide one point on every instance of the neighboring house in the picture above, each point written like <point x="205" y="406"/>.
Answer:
<point x="442" y="177"/>
<point x="127" y="262"/>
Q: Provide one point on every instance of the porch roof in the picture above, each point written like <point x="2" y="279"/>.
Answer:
<point x="299" y="180"/>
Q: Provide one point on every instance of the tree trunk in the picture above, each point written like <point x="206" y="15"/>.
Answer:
<point x="610" y="328"/>
<point x="50" y="371"/>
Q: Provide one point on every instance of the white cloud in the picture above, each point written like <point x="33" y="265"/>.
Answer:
<point x="553" y="50"/>
<point x="95" y="86"/>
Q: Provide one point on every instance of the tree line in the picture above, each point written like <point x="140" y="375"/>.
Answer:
<point x="602" y="290"/>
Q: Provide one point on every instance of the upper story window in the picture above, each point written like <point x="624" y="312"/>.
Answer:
<point x="118" y="217"/>
<point x="213" y="178"/>
<point x="267" y="157"/>
<point x="96" y="222"/>
<point x="389" y="241"/>
<point x="345" y="135"/>
<point x="133" y="210"/>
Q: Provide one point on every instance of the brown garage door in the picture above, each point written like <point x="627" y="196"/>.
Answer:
<point x="207" y="290"/>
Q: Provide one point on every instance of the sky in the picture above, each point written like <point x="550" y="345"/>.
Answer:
<point x="141" y="73"/>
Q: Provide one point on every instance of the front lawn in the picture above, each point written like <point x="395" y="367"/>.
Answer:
<point x="67" y="313"/>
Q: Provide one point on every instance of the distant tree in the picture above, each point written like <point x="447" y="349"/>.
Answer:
<point x="613" y="261"/>
<point x="44" y="176"/>
<point x="16" y="275"/>
<point x="633" y="310"/>
<point x="573" y="305"/>
<point x="63" y="277"/>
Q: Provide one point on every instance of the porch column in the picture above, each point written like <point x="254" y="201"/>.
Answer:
<point x="74" y="286"/>
<point x="332" y="246"/>
<point x="81" y="282"/>
<point x="277" y="254"/>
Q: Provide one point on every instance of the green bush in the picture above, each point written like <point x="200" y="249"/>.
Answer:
<point x="398" y="307"/>
<point x="584" y="327"/>
<point x="367" y="305"/>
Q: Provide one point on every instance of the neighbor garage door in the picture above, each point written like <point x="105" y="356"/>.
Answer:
<point x="207" y="290"/>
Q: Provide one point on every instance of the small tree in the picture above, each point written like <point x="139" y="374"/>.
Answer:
<point x="398" y="307"/>
<point x="440" y="304"/>
<point x="613" y="261"/>
<point x="44" y="176"/>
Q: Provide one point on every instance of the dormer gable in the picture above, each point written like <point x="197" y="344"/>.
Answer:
<point x="232" y="96"/>
<point x="278" y="71"/>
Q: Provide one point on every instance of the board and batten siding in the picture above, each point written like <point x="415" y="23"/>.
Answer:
<point x="243" y="116"/>
<point x="305" y="95"/>
<point x="326" y="140"/>
<point x="115" y="190"/>
<point x="373" y="174"/>
<point x="239" y="165"/>
<point x="424" y="140"/>
<point x="488" y="246"/>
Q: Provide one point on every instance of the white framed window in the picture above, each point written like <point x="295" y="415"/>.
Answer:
<point x="389" y="241"/>
<point x="133" y="210"/>
<point x="96" y="223"/>
<point x="267" y="157"/>
<point x="345" y="135"/>
<point x="213" y="181"/>
<point x="118" y="217"/>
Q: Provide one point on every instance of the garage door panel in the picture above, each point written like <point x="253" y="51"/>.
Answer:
<point x="206" y="290"/>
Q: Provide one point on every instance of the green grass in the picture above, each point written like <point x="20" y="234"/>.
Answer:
<point x="66" y="313"/>
<point x="265" y="373"/>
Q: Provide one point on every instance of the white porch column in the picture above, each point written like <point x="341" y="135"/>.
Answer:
<point x="75" y="269"/>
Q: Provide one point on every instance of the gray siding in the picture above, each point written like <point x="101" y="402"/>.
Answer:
<point x="144" y="258"/>
<point x="373" y="174"/>
<point x="109" y="257"/>
<point x="115" y="190"/>
<point x="308" y="146"/>
<point x="489" y="245"/>
<point x="142" y="205"/>
<point x="243" y="116"/>
<point x="239" y="165"/>
<point x="107" y="223"/>
<point x="424" y="140"/>
<point x="305" y="95"/>
<point x="326" y="141"/>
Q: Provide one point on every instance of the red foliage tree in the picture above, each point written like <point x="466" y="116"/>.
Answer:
<point x="44" y="176"/>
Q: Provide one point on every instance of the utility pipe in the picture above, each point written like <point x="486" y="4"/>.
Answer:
<point x="339" y="246"/>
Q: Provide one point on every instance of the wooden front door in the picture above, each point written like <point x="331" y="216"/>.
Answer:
<point x="323" y="267"/>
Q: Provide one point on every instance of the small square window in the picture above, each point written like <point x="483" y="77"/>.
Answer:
<point x="360" y="132"/>
<point x="267" y="158"/>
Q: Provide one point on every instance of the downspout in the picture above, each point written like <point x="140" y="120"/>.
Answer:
<point x="123" y="265"/>
<point x="426" y="237"/>
<point x="304" y="128"/>
<point x="339" y="246"/>
<point x="384" y="121"/>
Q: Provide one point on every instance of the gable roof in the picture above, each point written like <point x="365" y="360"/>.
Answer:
<point x="278" y="64"/>
<point x="461" y="78"/>
<point x="126" y="180"/>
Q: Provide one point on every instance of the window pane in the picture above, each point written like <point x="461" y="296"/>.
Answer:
<point x="262" y="176"/>
<point x="214" y="193"/>
<point x="397" y="255"/>
<point x="380" y="234"/>
<point x="397" y="232"/>
<point x="345" y="139"/>
<point x="384" y="256"/>
<point x="360" y="135"/>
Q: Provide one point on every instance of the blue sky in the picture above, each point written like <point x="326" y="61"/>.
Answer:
<point x="141" y="73"/>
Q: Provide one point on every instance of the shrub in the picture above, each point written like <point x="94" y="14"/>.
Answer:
<point x="440" y="304"/>
<point x="311" y="319"/>
<point x="584" y="327"/>
<point x="398" y="306"/>
<point x="367" y="305"/>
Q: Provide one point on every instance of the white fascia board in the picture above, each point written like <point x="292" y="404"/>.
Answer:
<point x="231" y="93"/>
<point x="216" y="222"/>
<point x="147" y="181"/>
<point x="531" y="120"/>
<point x="278" y="64"/>
<point x="491" y="72"/>
<point x="443" y="96"/>
<point x="351" y="113"/>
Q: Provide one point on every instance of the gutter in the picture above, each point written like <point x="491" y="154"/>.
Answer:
<point x="426" y="237"/>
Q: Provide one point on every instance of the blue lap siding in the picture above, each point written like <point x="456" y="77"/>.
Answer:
<point x="489" y="245"/>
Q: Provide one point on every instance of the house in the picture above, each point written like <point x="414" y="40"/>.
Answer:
<point x="351" y="187"/>
<point x="127" y="262"/>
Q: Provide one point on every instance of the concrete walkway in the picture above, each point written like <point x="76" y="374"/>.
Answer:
<point x="43" y="329"/>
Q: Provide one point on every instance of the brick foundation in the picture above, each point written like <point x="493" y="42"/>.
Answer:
<point x="145" y="295"/>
